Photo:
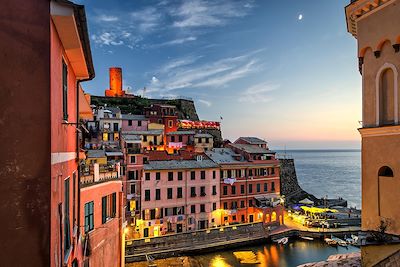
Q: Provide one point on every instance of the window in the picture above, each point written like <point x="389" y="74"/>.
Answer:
<point x="207" y="140"/>
<point x="158" y="194"/>
<point x="234" y="205"/>
<point x="147" y="195"/>
<point x="225" y="190"/>
<point x="108" y="207"/>
<point x="133" y="188"/>
<point x="272" y="171"/>
<point x="193" y="209"/>
<point x="158" y="176"/>
<point x="250" y="203"/>
<point x="221" y="174"/>
<point x="214" y="190"/>
<point x="386" y="96"/>
<point x="89" y="216"/>
<point x="139" y="123"/>
<point x="202" y="191"/>
<point x="172" y="138"/>
<point x="133" y="159"/>
<point x="273" y="186"/>
<point x="193" y="191"/>
<point x="242" y="189"/>
<point x="199" y="140"/>
<point x="169" y="193"/>
<point x="179" y="192"/>
<point x="202" y="208"/>
<point x="67" y="234"/>
<point x="225" y="205"/>
<point x="214" y="206"/>
<point x="234" y="217"/>
<point x="385" y="171"/>
<point x="203" y="175"/>
<point x="250" y="188"/>
<point x="180" y="138"/>
<point x="147" y="176"/>
<point x="170" y="176"/>
<point x="179" y="175"/>
<point x="233" y="189"/>
<point x="129" y="122"/>
<point x="265" y="187"/>
<point x="214" y="174"/>
<point x="144" y="138"/>
<point x="242" y="204"/>
<point x="229" y="173"/>
<point x="258" y="188"/>
<point x="65" y="91"/>
<point x="192" y="175"/>
<point x="170" y="123"/>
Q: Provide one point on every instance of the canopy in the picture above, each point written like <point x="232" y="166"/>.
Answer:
<point x="317" y="210"/>
<point x="306" y="201"/>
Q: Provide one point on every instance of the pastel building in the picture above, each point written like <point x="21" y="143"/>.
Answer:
<point x="163" y="114"/>
<point x="249" y="187"/>
<point x="134" y="122"/>
<point x="180" y="140"/>
<point x="375" y="25"/>
<point x="179" y="196"/>
<point x="150" y="139"/>
<point x="203" y="142"/>
<point x="47" y="43"/>
<point x="101" y="215"/>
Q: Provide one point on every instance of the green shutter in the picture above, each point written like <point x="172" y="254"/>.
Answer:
<point x="103" y="209"/>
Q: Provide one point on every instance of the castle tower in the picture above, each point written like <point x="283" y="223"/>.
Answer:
<point x="376" y="26"/>
<point x="115" y="89"/>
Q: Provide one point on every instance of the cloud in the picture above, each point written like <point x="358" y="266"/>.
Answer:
<point x="205" y="102"/>
<point x="258" y="93"/>
<point x="147" y="19"/>
<point x="201" y="13"/>
<point x="177" y="41"/>
<point x="190" y="73"/>
<point x="107" y="38"/>
<point x="106" y="18"/>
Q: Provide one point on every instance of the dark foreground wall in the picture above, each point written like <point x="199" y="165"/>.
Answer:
<point x="25" y="133"/>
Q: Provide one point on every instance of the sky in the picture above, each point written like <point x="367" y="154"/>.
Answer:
<point x="285" y="71"/>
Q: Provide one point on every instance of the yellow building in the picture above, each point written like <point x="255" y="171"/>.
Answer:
<point x="96" y="156"/>
<point x="376" y="26"/>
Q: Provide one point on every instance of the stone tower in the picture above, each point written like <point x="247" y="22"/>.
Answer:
<point x="376" y="26"/>
<point x="115" y="89"/>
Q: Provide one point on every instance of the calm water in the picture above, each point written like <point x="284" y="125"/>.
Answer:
<point x="336" y="173"/>
<point x="272" y="255"/>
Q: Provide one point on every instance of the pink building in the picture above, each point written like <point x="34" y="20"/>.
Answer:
<point x="179" y="196"/>
<point x="180" y="140"/>
<point x="134" y="122"/>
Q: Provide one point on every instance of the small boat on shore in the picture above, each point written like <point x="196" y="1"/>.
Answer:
<point x="307" y="238"/>
<point x="331" y="242"/>
<point x="283" y="241"/>
<point x="339" y="241"/>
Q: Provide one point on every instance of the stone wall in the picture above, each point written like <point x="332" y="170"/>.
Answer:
<point x="290" y="187"/>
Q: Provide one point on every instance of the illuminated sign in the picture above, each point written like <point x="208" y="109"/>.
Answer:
<point x="187" y="124"/>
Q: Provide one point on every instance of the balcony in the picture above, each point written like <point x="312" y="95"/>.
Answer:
<point x="90" y="175"/>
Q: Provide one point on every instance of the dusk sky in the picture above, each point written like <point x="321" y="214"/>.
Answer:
<point x="285" y="71"/>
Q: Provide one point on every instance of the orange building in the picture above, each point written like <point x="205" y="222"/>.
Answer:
<point x="375" y="25"/>
<point x="46" y="45"/>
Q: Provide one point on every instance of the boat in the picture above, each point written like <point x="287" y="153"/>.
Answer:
<point x="283" y="241"/>
<point x="246" y="257"/>
<point x="306" y="237"/>
<point x="331" y="242"/>
<point x="339" y="241"/>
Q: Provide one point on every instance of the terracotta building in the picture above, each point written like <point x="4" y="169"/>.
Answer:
<point x="47" y="42"/>
<point x="375" y="25"/>
<point x="250" y="184"/>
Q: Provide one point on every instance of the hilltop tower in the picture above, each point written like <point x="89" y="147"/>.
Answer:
<point x="376" y="26"/>
<point x="115" y="89"/>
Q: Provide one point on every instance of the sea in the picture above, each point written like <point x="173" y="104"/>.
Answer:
<point x="329" y="173"/>
<point x="323" y="173"/>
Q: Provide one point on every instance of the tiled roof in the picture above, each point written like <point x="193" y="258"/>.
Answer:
<point x="181" y="133"/>
<point x="148" y="132"/>
<point x="131" y="137"/>
<point x="223" y="155"/>
<point x="114" y="153"/>
<point x="163" y="155"/>
<point x="252" y="149"/>
<point x="179" y="164"/>
<point x="252" y="140"/>
<point x="133" y="117"/>
<point x="200" y="135"/>
<point x="97" y="153"/>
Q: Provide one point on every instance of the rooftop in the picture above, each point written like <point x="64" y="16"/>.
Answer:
<point x="252" y="140"/>
<point x="224" y="155"/>
<point x="163" y="155"/>
<point x="179" y="164"/>
<point x="98" y="153"/>
<point x="181" y="133"/>
<point x="252" y="149"/>
<point x="203" y="135"/>
<point x="131" y="137"/>
<point x="133" y="117"/>
<point x="148" y="132"/>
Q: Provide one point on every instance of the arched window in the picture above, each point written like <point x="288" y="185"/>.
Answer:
<point x="385" y="171"/>
<point x="273" y="216"/>
<point x="386" y="97"/>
